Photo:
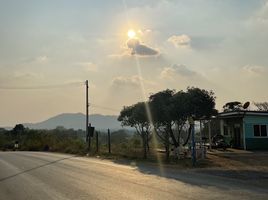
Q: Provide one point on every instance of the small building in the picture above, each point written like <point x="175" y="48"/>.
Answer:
<point x="246" y="129"/>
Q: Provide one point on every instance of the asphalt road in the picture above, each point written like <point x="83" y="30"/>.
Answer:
<point x="37" y="175"/>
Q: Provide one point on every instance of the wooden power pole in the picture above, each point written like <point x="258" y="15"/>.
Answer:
<point x="87" y="121"/>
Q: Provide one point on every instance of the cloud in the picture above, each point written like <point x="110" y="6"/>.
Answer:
<point x="174" y="70"/>
<point x="41" y="59"/>
<point x="130" y="82"/>
<point x="259" y="20"/>
<point x="121" y="81"/>
<point x="262" y="15"/>
<point x="180" y="40"/>
<point x="137" y="48"/>
<point x="88" y="66"/>
<point x="27" y="75"/>
<point x="144" y="31"/>
<point x="254" y="69"/>
<point x="79" y="82"/>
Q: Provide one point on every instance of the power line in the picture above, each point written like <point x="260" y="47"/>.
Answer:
<point x="56" y="86"/>
<point x="42" y="87"/>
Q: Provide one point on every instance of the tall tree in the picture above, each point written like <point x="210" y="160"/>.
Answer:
<point x="172" y="110"/>
<point x="18" y="130"/>
<point x="195" y="102"/>
<point x="261" y="106"/>
<point x="136" y="116"/>
<point x="201" y="102"/>
<point x="161" y="107"/>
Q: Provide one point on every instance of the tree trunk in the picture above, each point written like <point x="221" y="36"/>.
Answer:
<point x="147" y="138"/>
<point x="188" y="136"/>
<point x="167" y="145"/>
<point x="144" y="140"/>
<point x="175" y="142"/>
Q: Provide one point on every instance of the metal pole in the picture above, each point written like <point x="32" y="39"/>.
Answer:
<point x="201" y="130"/>
<point x="87" y="121"/>
<point x="209" y="133"/>
<point x="109" y="141"/>
<point x="202" y="146"/>
<point x="193" y="145"/>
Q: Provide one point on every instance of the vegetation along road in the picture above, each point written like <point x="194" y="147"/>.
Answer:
<point x="37" y="175"/>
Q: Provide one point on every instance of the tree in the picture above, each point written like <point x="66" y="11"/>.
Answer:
<point x="195" y="102"/>
<point x="136" y="116"/>
<point x="171" y="110"/>
<point x="232" y="106"/>
<point x="161" y="108"/>
<point x="261" y="106"/>
<point x="201" y="102"/>
<point x="18" y="130"/>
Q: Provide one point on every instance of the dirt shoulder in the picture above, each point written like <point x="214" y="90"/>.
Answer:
<point x="248" y="166"/>
<point x="233" y="159"/>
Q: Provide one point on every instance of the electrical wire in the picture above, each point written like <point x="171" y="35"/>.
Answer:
<point x="42" y="87"/>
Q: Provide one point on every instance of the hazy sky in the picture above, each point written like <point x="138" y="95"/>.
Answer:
<point x="48" y="48"/>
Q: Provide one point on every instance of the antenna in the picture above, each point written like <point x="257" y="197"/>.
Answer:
<point x="246" y="105"/>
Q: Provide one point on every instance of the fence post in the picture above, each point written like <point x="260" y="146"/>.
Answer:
<point x="109" y="141"/>
<point x="97" y="141"/>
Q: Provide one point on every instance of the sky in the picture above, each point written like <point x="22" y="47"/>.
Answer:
<point x="49" y="48"/>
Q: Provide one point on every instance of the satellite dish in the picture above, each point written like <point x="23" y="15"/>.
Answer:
<point x="246" y="105"/>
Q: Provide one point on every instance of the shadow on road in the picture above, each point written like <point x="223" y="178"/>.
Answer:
<point x="34" y="168"/>
<point x="220" y="178"/>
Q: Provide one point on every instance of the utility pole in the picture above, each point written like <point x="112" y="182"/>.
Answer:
<point x="87" y="121"/>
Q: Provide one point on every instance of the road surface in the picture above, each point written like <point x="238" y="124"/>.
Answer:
<point x="37" y="175"/>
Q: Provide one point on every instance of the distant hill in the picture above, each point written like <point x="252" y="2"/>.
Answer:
<point x="77" y="121"/>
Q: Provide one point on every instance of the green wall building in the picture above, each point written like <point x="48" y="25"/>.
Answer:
<point x="245" y="129"/>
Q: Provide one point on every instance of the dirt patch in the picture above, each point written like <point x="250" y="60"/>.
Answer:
<point x="237" y="160"/>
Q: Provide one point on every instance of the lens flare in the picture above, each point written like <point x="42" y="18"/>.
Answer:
<point x="131" y="34"/>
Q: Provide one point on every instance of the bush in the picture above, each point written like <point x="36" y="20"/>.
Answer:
<point x="60" y="140"/>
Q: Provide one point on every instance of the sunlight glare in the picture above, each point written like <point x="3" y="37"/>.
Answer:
<point x="131" y="33"/>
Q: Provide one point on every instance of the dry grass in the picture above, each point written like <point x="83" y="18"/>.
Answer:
<point x="237" y="160"/>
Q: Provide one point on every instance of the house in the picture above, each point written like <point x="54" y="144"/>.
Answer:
<point x="246" y="129"/>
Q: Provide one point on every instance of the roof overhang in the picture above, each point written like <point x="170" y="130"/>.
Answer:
<point x="239" y="114"/>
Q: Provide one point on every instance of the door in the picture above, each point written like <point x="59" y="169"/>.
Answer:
<point x="237" y="137"/>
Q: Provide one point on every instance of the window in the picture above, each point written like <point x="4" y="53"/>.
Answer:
<point x="263" y="130"/>
<point x="260" y="130"/>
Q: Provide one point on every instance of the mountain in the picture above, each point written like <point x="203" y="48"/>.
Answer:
<point x="77" y="121"/>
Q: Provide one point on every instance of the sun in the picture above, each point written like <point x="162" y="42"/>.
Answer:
<point x="131" y="33"/>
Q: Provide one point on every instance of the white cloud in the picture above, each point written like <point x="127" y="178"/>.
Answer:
<point x="254" y="69"/>
<point x="144" y="32"/>
<point x="175" y="70"/>
<point x="41" y="59"/>
<point x="258" y="22"/>
<point x="121" y="81"/>
<point x="262" y="15"/>
<point x="88" y="66"/>
<point x="79" y="82"/>
<point x="27" y="75"/>
<point x="130" y="81"/>
<point x="180" y="40"/>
